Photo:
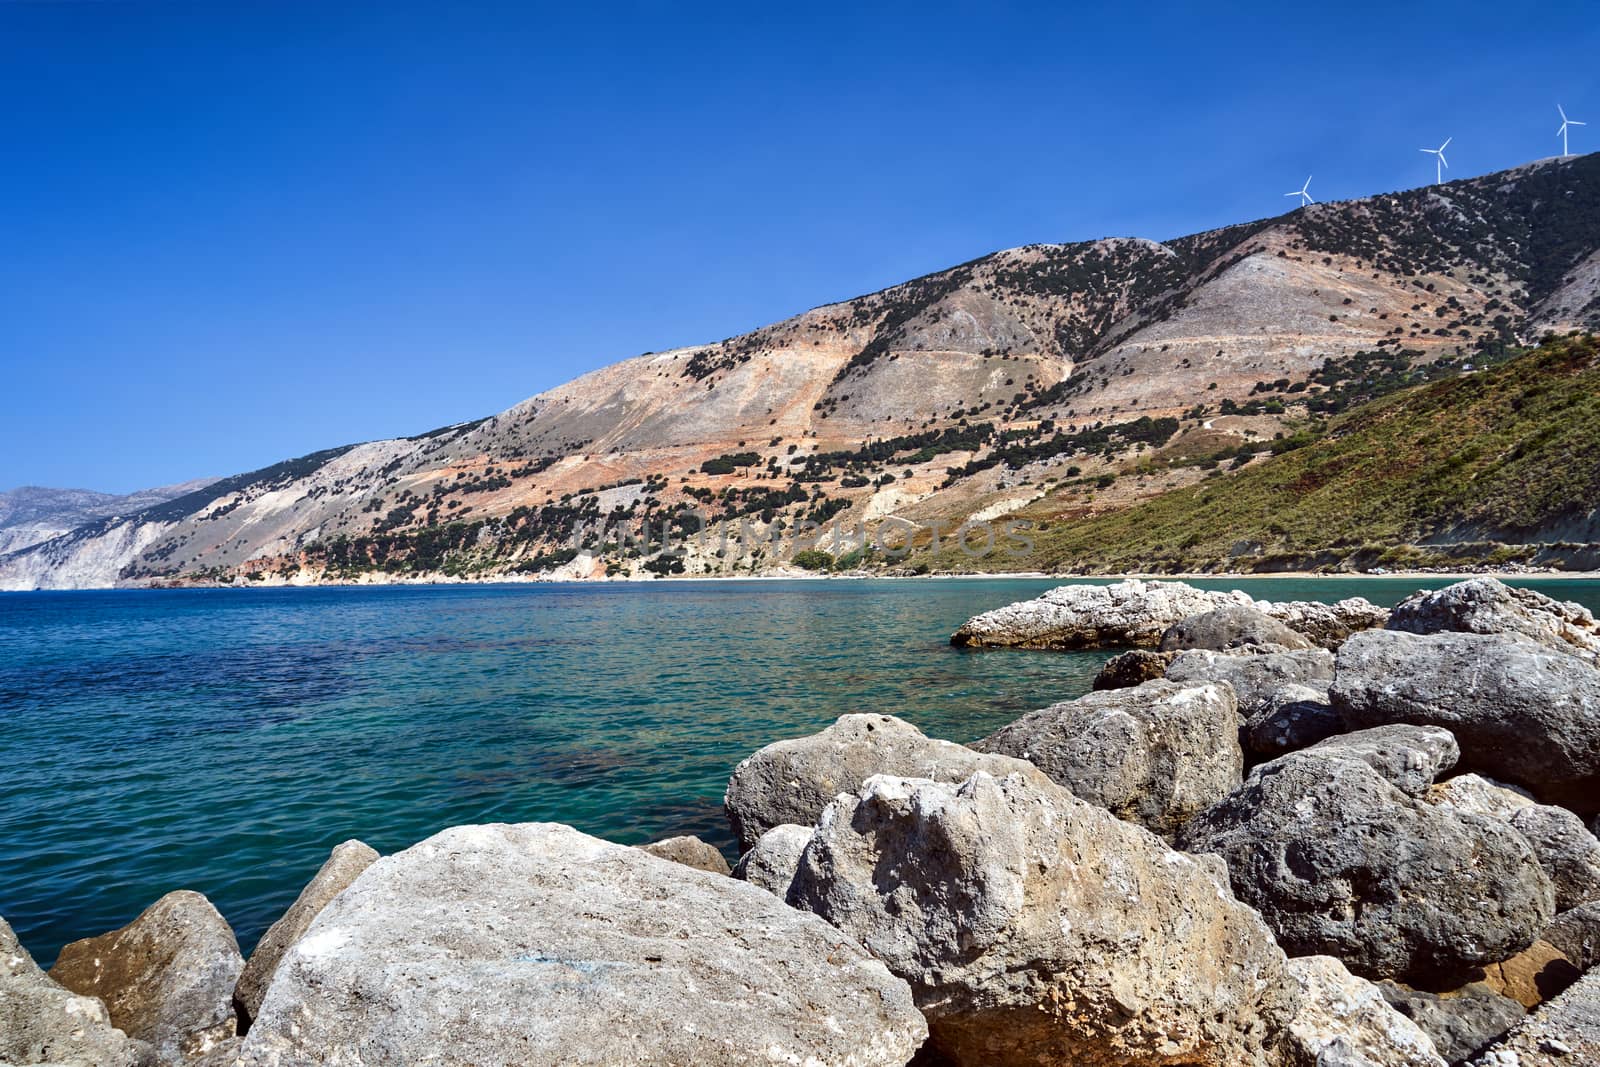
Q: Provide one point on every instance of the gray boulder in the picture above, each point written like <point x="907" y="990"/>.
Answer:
<point x="1256" y="679"/>
<point x="772" y="861"/>
<point x="1154" y="755"/>
<point x="1131" y="613"/>
<point x="40" y="1022"/>
<point x="791" y="781"/>
<point x="691" y="852"/>
<point x="1133" y="667"/>
<point x="1563" y="1032"/>
<point x="1576" y="935"/>
<point x="166" y="978"/>
<point x="1566" y="849"/>
<point x="343" y="865"/>
<point x="1460" y="1024"/>
<point x="1327" y="625"/>
<point x="1346" y="1020"/>
<point x="1520" y="711"/>
<point x="1489" y="606"/>
<point x="1035" y="928"/>
<point x="538" y="945"/>
<point x="1290" y="719"/>
<point x="1408" y="757"/>
<point x="1228" y="628"/>
<point x="1340" y="862"/>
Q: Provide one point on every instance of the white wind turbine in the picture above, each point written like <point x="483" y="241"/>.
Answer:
<point x="1305" y="197"/>
<point x="1565" y="122"/>
<point x="1441" y="164"/>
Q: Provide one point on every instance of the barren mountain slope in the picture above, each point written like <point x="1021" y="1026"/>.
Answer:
<point x="963" y="392"/>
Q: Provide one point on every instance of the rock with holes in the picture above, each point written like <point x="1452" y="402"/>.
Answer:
<point x="1408" y="757"/>
<point x="1567" y="851"/>
<point x="691" y="852"/>
<point x="1292" y="718"/>
<point x="41" y="1022"/>
<point x="1489" y="606"/>
<point x="166" y="978"/>
<point x="1346" y="1020"/>
<point x="1283" y="696"/>
<point x="1460" y="1024"/>
<point x="772" y="861"/>
<point x="1035" y="928"/>
<point x="1154" y="755"/>
<point x="792" y="781"/>
<point x="343" y="865"/>
<point x="1520" y="711"/>
<point x="535" y="944"/>
<point x="1230" y="628"/>
<point x="1341" y="862"/>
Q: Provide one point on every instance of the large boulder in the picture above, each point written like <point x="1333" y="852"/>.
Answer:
<point x="1520" y="711"/>
<point x="1230" y="628"/>
<point x="536" y="944"/>
<point x="1408" y="757"/>
<point x="1035" y="928"/>
<point x="1460" y="1024"/>
<point x="1341" y="862"/>
<point x="1489" y="606"/>
<point x="1576" y="935"/>
<point x="689" y="851"/>
<point x="1133" y="667"/>
<point x="1327" y="625"/>
<point x="791" y="781"/>
<point x="1154" y="755"/>
<point x="1128" y="613"/>
<point x="40" y="1022"/>
<point x="772" y="861"/>
<point x="343" y="865"/>
<point x="1283" y="696"/>
<point x="1563" y="1032"/>
<point x="1344" y="1019"/>
<point x="166" y="978"/>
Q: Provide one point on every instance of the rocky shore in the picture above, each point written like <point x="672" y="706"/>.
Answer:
<point x="1276" y="834"/>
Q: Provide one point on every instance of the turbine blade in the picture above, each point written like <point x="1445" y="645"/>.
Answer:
<point x="1443" y="160"/>
<point x="1446" y="144"/>
<point x="1575" y="122"/>
<point x="1561" y="112"/>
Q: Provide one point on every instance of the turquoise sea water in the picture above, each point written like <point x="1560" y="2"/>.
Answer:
<point x="225" y="740"/>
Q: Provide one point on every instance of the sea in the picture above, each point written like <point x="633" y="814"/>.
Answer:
<point x="225" y="740"/>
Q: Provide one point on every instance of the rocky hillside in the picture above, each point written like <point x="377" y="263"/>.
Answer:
<point x="1496" y="466"/>
<point x="969" y="392"/>
<point x="33" y="514"/>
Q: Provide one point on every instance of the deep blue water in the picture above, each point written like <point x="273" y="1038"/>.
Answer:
<point x="225" y="740"/>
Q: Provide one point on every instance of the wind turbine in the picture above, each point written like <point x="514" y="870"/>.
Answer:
<point x="1305" y="197"/>
<point x="1442" y="163"/>
<point x="1565" y="122"/>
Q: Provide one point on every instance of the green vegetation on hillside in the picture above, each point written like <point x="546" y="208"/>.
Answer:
<point x="1468" y="469"/>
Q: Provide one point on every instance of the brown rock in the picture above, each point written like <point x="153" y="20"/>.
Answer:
<point x="1532" y="976"/>
<point x="691" y="852"/>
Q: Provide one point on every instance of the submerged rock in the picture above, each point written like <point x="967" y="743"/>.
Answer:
<point x="41" y="1022"/>
<point x="1340" y="862"/>
<point x="1346" y="1020"/>
<point x="1036" y="928"/>
<point x="1460" y="1024"/>
<point x="691" y="852"/>
<point x="1520" y="711"/>
<point x="792" y="781"/>
<point x="343" y="865"/>
<point x="166" y="978"/>
<point x="1489" y="606"/>
<point x="772" y="861"/>
<point x="1230" y="628"/>
<point x="535" y="944"/>
<point x="1154" y="755"/>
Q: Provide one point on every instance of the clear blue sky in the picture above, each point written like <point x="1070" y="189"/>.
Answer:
<point x="236" y="232"/>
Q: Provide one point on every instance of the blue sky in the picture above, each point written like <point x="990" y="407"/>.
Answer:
<point x="236" y="232"/>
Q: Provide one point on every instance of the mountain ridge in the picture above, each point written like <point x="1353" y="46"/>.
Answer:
<point x="1043" y="347"/>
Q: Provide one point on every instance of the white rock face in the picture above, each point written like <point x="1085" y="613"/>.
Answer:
<point x="535" y="944"/>
<point x="1489" y="606"/>
<point x="1036" y="928"/>
<point x="1345" y="1021"/>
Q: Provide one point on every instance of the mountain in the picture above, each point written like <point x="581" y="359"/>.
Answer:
<point x="972" y="392"/>
<point x="1494" y="466"/>
<point x="33" y="514"/>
